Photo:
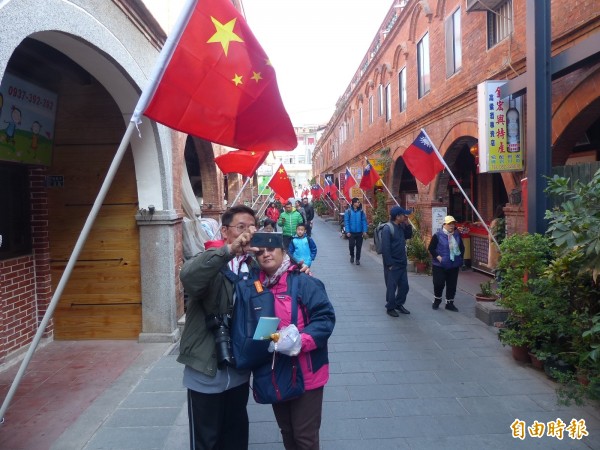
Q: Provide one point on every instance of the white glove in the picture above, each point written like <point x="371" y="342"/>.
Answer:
<point x="289" y="342"/>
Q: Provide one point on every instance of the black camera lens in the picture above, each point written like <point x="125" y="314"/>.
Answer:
<point x="219" y="325"/>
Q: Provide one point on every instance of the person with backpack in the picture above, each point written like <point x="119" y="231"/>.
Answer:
<point x="447" y="249"/>
<point x="393" y="252"/>
<point x="302" y="247"/>
<point x="355" y="226"/>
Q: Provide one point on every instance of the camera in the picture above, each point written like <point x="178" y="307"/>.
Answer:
<point x="219" y="326"/>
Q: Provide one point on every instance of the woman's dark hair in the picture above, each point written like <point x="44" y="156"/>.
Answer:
<point x="268" y="221"/>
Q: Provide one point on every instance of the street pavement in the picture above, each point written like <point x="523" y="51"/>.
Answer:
<point x="428" y="380"/>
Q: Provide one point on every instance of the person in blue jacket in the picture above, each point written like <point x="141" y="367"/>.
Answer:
<point x="302" y="247"/>
<point x="447" y="249"/>
<point x="355" y="225"/>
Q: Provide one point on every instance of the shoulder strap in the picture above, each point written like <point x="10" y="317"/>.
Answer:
<point x="294" y="295"/>
<point x="392" y="228"/>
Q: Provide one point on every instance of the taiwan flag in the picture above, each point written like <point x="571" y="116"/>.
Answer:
<point x="350" y="182"/>
<point x="281" y="184"/>
<point x="213" y="80"/>
<point x="369" y="178"/>
<point x="316" y="191"/>
<point x="422" y="160"/>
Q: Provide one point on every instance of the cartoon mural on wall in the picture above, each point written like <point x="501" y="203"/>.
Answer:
<point x="27" y="115"/>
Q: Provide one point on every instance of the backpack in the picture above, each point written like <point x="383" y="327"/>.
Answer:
<point x="377" y="236"/>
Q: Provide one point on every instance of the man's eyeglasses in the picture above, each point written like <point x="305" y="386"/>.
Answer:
<point x="240" y="227"/>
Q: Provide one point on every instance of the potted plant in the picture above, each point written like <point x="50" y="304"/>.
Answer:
<point x="416" y="247"/>
<point x="486" y="292"/>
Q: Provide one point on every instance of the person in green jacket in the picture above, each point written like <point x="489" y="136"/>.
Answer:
<point x="217" y="392"/>
<point x="288" y="220"/>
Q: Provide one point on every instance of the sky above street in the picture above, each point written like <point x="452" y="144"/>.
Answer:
<point x="316" y="46"/>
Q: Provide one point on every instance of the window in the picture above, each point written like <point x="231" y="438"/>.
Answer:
<point x="380" y="99"/>
<point x="453" y="46"/>
<point x="371" y="112"/>
<point x="360" y="119"/>
<point x="15" y="220"/>
<point x="499" y="23"/>
<point x="388" y="102"/>
<point x="423" y="65"/>
<point x="402" y="89"/>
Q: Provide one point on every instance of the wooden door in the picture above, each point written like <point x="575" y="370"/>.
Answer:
<point x="102" y="299"/>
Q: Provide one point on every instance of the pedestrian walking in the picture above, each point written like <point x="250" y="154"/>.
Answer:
<point x="272" y="212"/>
<point x="447" y="250"/>
<point x="302" y="248"/>
<point x="310" y="215"/>
<point x="393" y="252"/>
<point x="300" y="209"/>
<point x="288" y="220"/>
<point x="355" y="226"/>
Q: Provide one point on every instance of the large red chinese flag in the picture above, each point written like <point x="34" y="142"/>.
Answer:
<point x="281" y="184"/>
<point x="421" y="159"/>
<point x="219" y="84"/>
<point x="241" y="161"/>
<point x="350" y="182"/>
<point x="369" y="178"/>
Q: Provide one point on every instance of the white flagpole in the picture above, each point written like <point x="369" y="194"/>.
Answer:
<point x="364" y="193"/>
<point x="147" y="93"/>
<point x="163" y="60"/>
<point x="110" y="175"/>
<point x="391" y="195"/>
<point x="461" y="189"/>
<point x="240" y="192"/>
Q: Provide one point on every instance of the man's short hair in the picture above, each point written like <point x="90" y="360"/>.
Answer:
<point x="301" y="225"/>
<point x="227" y="216"/>
<point x="288" y="203"/>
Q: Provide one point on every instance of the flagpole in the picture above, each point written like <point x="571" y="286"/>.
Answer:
<point x="240" y="192"/>
<point x="461" y="189"/>
<point x="110" y="175"/>
<point x="163" y="59"/>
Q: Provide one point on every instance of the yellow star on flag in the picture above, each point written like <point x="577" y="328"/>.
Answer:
<point x="224" y="34"/>
<point x="256" y="77"/>
<point x="237" y="79"/>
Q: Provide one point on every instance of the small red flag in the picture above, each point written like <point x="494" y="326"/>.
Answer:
<point x="281" y="184"/>
<point x="369" y="178"/>
<point x="219" y="84"/>
<point x="241" y="161"/>
<point x="333" y="192"/>
<point x="421" y="159"/>
<point x="350" y="182"/>
<point x="316" y="191"/>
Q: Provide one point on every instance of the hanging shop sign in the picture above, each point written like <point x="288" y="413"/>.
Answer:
<point x="500" y="129"/>
<point x="27" y="115"/>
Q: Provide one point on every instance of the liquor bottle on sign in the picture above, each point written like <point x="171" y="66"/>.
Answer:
<point x="513" y="140"/>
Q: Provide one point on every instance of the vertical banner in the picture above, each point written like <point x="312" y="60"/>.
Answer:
<point x="437" y="218"/>
<point x="500" y="129"/>
<point x="27" y="115"/>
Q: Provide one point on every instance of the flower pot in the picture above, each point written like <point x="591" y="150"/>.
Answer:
<point x="520" y="353"/>
<point x="537" y="363"/>
<point x="485" y="298"/>
<point x="421" y="267"/>
<point x="554" y="366"/>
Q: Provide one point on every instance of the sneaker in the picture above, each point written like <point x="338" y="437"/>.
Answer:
<point x="450" y="306"/>
<point x="436" y="303"/>
<point x="352" y="260"/>
<point x="357" y="262"/>
<point x="393" y="313"/>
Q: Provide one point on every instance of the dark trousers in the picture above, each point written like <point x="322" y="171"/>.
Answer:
<point x="286" y="242"/>
<point x="219" y="421"/>
<point x="355" y="240"/>
<point x="299" y="420"/>
<point x="396" y="283"/>
<point x="444" y="278"/>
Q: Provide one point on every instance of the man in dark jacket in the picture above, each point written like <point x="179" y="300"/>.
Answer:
<point x="217" y="393"/>
<point x="393" y="252"/>
<point x="309" y="210"/>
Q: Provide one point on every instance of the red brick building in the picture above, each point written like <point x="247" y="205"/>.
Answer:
<point x="422" y="71"/>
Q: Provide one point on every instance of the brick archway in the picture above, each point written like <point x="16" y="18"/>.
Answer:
<point x="575" y="114"/>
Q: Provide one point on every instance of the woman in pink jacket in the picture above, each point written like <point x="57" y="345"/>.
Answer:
<point x="300" y="419"/>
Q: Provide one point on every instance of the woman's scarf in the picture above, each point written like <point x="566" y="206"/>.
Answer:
<point x="454" y="250"/>
<point x="273" y="279"/>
